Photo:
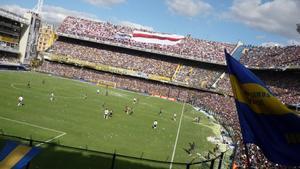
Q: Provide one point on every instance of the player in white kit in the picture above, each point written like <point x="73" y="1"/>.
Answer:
<point x="154" y="125"/>
<point x="52" y="96"/>
<point x="20" y="101"/>
<point x="106" y="113"/>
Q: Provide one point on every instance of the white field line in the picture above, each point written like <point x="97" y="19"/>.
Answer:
<point x="176" y="140"/>
<point x="61" y="133"/>
<point x="47" y="141"/>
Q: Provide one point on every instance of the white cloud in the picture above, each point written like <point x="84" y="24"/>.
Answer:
<point x="135" y="25"/>
<point x="56" y="14"/>
<point x="260" y="36"/>
<point x="105" y="3"/>
<point x="189" y="8"/>
<point x="271" y="44"/>
<point x="50" y="14"/>
<point x="293" y="42"/>
<point x="276" y="16"/>
<point x="15" y="9"/>
<point x="287" y="43"/>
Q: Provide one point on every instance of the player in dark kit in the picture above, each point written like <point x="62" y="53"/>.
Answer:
<point x="28" y="84"/>
<point x="126" y="109"/>
<point x="110" y="114"/>
<point x="160" y="112"/>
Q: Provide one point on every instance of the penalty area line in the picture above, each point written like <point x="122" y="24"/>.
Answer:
<point x="176" y="140"/>
<point x="61" y="133"/>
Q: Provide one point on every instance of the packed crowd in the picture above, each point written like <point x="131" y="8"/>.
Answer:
<point x="116" y="59"/>
<point x="123" y="82"/>
<point x="189" y="75"/>
<point x="270" y="57"/>
<point x="195" y="76"/>
<point x="189" y="47"/>
<point x="9" y="58"/>
<point x="222" y="107"/>
<point x="283" y="86"/>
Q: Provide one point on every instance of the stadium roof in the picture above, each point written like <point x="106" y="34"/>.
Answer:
<point x="13" y="16"/>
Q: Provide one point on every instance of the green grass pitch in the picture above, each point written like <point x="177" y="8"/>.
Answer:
<point x="74" y="121"/>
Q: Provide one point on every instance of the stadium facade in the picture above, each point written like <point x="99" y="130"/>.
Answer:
<point x="19" y="36"/>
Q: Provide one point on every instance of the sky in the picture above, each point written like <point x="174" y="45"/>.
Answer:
<point x="254" y="22"/>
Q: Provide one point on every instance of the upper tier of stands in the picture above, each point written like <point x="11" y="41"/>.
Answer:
<point x="189" y="48"/>
<point x="272" y="57"/>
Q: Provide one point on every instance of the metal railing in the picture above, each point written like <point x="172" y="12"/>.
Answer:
<point x="55" y="155"/>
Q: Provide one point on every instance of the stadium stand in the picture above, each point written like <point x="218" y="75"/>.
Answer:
<point x="115" y="59"/>
<point x="196" y="76"/>
<point x="188" y="48"/>
<point x="284" y="85"/>
<point x="272" y="57"/>
<point x="10" y="32"/>
<point x="9" y="58"/>
<point x="144" y="65"/>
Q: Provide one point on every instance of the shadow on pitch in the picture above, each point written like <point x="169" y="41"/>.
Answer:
<point x="61" y="158"/>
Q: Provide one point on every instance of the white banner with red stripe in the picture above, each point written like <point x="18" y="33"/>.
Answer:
<point x="157" y="38"/>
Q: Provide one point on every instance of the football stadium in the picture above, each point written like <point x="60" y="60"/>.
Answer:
<point x="90" y="94"/>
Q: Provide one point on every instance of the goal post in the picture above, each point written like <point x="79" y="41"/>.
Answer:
<point x="105" y="83"/>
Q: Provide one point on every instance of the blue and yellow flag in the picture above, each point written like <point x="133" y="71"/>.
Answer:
<point x="264" y="120"/>
<point x="16" y="156"/>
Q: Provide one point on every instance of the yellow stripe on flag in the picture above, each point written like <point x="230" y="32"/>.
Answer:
<point x="14" y="157"/>
<point x="258" y="98"/>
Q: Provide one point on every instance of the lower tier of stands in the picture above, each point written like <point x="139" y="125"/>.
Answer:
<point x="9" y="58"/>
<point x="141" y="63"/>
